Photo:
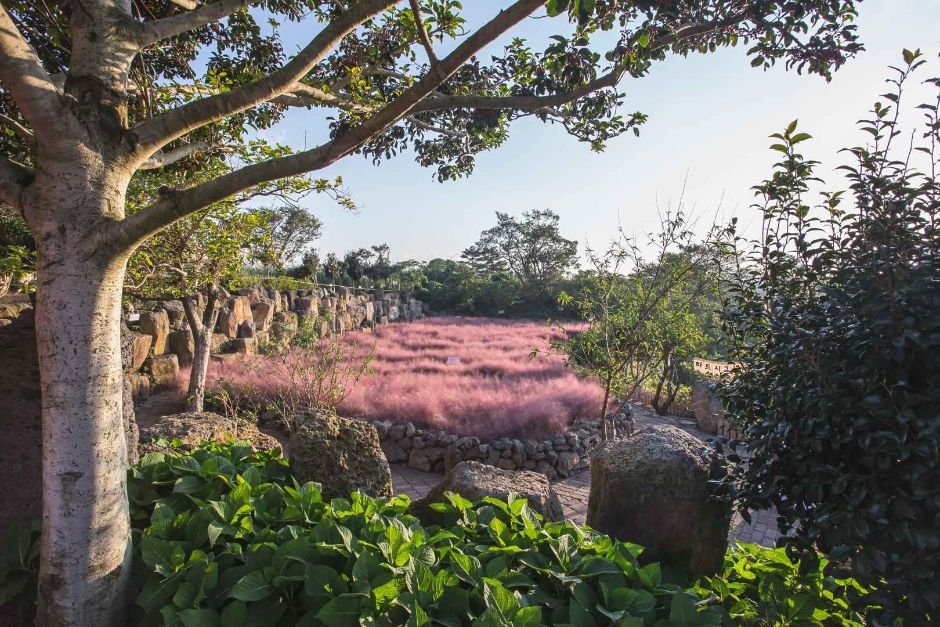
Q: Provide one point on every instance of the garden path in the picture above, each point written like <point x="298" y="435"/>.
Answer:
<point x="573" y="491"/>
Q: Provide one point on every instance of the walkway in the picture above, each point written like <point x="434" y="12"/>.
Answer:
<point x="573" y="491"/>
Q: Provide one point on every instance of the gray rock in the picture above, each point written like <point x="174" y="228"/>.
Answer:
<point x="176" y="313"/>
<point x="394" y="452"/>
<point x="195" y="427"/>
<point x="426" y="459"/>
<point x="707" y="406"/>
<point x="473" y="481"/>
<point x="652" y="488"/>
<point x="341" y="455"/>
<point x="506" y="464"/>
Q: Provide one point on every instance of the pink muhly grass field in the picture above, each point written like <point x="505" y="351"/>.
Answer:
<point x="495" y="389"/>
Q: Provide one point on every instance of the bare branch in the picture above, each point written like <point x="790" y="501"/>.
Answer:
<point x="24" y="133"/>
<point x="301" y="95"/>
<point x="167" y="27"/>
<point x="179" y="204"/>
<point x="434" y="129"/>
<point x="29" y="84"/>
<point x="167" y="157"/>
<point x="189" y="5"/>
<point x="159" y="131"/>
<point x="13" y="181"/>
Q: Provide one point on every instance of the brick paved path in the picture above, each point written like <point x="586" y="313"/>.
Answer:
<point x="573" y="491"/>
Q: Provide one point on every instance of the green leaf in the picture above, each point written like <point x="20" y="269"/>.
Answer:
<point x="199" y="617"/>
<point x="252" y="587"/>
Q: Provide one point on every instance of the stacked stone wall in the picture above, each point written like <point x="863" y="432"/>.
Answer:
<point x="437" y="451"/>
<point x="158" y="340"/>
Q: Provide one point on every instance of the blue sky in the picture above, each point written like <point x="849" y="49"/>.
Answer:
<point x="709" y="118"/>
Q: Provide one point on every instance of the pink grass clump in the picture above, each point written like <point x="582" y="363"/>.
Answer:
<point x="496" y="388"/>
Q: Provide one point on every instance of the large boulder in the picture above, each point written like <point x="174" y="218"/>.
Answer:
<point x="340" y="454"/>
<point x="709" y="412"/>
<point x="236" y="311"/>
<point x="653" y="489"/>
<point x="182" y="345"/>
<point x="262" y="314"/>
<point x="474" y="481"/>
<point x="156" y="324"/>
<point x="191" y="428"/>
<point x="165" y="370"/>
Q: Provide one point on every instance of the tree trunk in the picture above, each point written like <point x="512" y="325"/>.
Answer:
<point x="196" y="394"/>
<point x="201" y="328"/>
<point x="86" y="544"/>
<point x="604" y="431"/>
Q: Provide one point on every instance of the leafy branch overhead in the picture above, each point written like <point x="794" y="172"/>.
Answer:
<point x="465" y="102"/>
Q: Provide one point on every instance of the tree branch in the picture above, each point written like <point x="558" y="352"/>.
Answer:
<point x="13" y="181"/>
<point x="180" y="23"/>
<point x="434" y="129"/>
<point x="302" y="95"/>
<point x="438" y="102"/>
<point x="29" y="84"/>
<point x="160" y="130"/>
<point x="423" y="33"/>
<point x="177" y="205"/>
<point x="167" y="157"/>
<point x="24" y="133"/>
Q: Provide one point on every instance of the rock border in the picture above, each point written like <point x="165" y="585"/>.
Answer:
<point x="438" y="451"/>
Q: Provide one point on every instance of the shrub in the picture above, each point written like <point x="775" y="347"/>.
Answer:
<point x="223" y="535"/>
<point x="835" y="327"/>
<point x="319" y="374"/>
<point x="761" y="586"/>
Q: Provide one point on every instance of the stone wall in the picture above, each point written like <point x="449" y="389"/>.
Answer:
<point x="158" y="342"/>
<point x="710" y="411"/>
<point x="438" y="451"/>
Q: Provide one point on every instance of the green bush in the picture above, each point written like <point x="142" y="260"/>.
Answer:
<point x="835" y="326"/>
<point x="224" y="536"/>
<point x="761" y="586"/>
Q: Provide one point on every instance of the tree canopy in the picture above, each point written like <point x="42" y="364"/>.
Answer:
<point x="531" y="249"/>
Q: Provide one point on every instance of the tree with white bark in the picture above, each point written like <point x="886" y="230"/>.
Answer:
<point x="94" y="91"/>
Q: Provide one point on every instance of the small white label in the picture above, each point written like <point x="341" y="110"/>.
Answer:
<point x="134" y="317"/>
<point x="452" y="361"/>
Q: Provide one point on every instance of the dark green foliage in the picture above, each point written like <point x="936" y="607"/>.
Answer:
<point x="761" y="586"/>
<point x="224" y="536"/>
<point x="834" y="320"/>
<point x="19" y="569"/>
<point x="530" y="249"/>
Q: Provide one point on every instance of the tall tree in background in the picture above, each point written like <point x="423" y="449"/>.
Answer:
<point x="531" y="249"/>
<point x="293" y="229"/>
<point x="96" y="90"/>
